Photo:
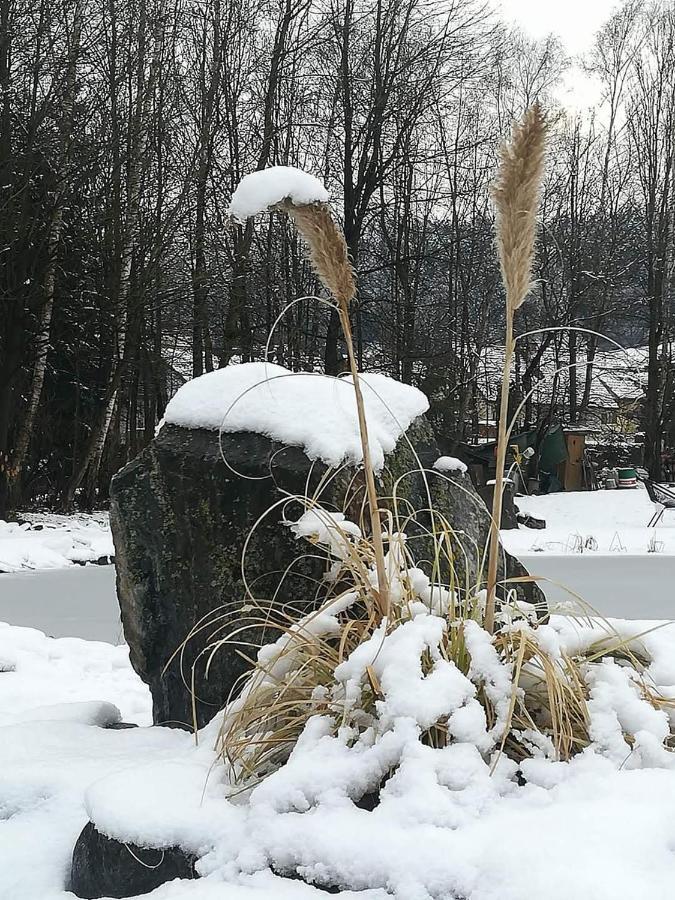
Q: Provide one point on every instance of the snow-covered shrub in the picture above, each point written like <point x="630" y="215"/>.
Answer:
<point x="429" y="674"/>
<point x="394" y="663"/>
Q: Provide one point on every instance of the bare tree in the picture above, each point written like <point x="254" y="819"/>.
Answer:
<point x="63" y="175"/>
<point x="651" y="117"/>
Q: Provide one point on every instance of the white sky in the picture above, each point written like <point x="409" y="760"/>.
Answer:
<point x="575" y="22"/>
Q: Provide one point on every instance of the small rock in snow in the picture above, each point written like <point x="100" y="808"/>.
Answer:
<point x="450" y="464"/>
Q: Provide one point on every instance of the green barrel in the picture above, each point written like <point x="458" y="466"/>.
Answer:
<point x="627" y="478"/>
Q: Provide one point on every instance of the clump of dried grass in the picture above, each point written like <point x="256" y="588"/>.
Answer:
<point x="371" y="594"/>
<point x="549" y="692"/>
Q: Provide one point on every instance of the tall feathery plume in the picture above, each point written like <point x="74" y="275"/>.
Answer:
<point x="327" y="248"/>
<point x="329" y="256"/>
<point x="516" y="197"/>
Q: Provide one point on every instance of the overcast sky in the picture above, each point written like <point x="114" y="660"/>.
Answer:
<point x="575" y="21"/>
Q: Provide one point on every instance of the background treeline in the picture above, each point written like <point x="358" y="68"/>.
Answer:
<point x="126" y="124"/>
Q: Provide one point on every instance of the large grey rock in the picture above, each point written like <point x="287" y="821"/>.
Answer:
<point x="181" y="513"/>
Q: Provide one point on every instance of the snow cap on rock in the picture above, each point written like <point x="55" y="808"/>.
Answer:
<point x="301" y="409"/>
<point x="450" y="464"/>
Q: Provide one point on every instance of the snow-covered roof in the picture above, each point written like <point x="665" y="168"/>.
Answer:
<point x="302" y="409"/>
<point x="619" y="376"/>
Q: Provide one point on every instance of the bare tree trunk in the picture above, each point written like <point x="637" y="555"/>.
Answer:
<point x="53" y="241"/>
<point x="209" y="87"/>
<point x="91" y="458"/>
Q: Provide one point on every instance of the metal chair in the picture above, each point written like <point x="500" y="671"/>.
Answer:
<point x="662" y="497"/>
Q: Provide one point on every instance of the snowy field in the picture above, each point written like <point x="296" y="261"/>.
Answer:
<point x="594" y="522"/>
<point x="50" y="541"/>
<point x="597" y="549"/>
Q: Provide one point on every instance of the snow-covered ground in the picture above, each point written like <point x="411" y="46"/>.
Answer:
<point x="601" y="826"/>
<point x="597" y="550"/>
<point x="598" y="522"/>
<point x="50" y="541"/>
<point x="53" y="696"/>
<point x="446" y="827"/>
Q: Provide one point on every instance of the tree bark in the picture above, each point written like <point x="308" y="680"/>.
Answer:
<point x="53" y="241"/>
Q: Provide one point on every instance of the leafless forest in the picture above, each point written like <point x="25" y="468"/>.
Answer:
<point x="126" y="124"/>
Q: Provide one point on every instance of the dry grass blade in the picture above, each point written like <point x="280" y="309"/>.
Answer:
<point x="516" y="198"/>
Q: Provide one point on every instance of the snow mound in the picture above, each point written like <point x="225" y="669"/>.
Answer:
<point x="55" y="702"/>
<point x="48" y="541"/>
<point x="260" y="190"/>
<point x="450" y="464"/>
<point x="316" y="412"/>
<point x="86" y="712"/>
<point x="438" y="806"/>
<point x="91" y="682"/>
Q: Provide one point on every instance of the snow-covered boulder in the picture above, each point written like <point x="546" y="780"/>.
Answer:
<point x="182" y="512"/>
<point x="104" y="867"/>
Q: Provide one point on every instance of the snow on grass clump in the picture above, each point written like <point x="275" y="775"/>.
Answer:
<point x="395" y="784"/>
<point x="260" y="190"/>
<point x="315" y="412"/>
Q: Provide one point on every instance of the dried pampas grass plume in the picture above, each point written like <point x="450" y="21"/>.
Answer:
<point x="516" y="197"/>
<point x="327" y="248"/>
<point x="328" y="253"/>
